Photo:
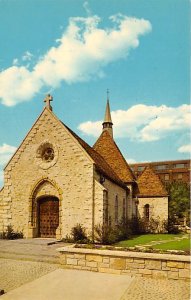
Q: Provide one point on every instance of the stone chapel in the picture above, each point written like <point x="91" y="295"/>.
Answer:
<point x="55" y="180"/>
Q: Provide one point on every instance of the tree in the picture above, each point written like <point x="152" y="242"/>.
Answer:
<point x="179" y="199"/>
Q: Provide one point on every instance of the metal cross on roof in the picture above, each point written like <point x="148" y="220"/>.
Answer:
<point x="107" y="94"/>
<point x="47" y="101"/>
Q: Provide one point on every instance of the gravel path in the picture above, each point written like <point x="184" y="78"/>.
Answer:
<point x="152" y="289"/>
<point x="14" y="273"/>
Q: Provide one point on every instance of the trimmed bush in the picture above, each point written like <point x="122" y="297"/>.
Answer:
<point x="79" y="234"/>
<point x="108" y="235"/>
<point x="104" y="234"/>
<point x="10" y="234"/>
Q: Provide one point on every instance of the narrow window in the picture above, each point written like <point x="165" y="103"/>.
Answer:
<point x="124" y="210"/>
<point x="105" y="207"/>
<point x="146" y="211"/>
<point x="116" y="210"/>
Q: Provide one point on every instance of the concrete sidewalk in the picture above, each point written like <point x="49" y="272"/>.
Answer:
<point x="72" y="285"/>
<point x="84" y="285"/>
<point x="38" y="249"/>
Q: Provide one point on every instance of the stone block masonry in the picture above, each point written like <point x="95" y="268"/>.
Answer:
<point x="151" y="265"/>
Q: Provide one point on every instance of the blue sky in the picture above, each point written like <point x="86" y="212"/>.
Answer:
<point x="75" y="50"/>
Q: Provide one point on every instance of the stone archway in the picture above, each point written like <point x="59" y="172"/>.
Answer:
<point x="45" y="196"/>
<point x="48" y="216"/>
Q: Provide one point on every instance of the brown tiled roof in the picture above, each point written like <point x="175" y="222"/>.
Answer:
<point x="108" y="149"/>
<point x="100" y="163"/>
<point x="149" y="184"/>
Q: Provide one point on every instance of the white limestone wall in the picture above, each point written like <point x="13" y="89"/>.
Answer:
<point x="71" y="174"/>
<point x="1" y="211"/>
<point x="158" y="207"/>
<point x="98" y="202"/>
<point x="113" y="191"/>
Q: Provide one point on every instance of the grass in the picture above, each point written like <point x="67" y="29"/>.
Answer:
<point x="144" y="239"/>
<point x="175" y="245"/>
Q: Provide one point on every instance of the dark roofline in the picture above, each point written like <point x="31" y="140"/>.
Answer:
<point x="113" y="176"/>
<point x="149" y="196"/>
<point x="121" y="184"/>
<point x="122" y="157"/>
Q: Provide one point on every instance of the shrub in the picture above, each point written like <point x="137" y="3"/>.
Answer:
<point x="154" y="226"/>
<point x="10" y="234"/>
<point x="142" y="225"/>
<point x="104" y="234"/>
<point x="108" y="235"/>
<point x="171" y="226"/>
<point x="67" y="239"/>
<point x="138" y="225"/>
<point x="79" y="234"/>
<point x="123" y="230"/>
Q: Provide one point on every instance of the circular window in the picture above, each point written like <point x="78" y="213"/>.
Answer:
<point x="46" y="155"/>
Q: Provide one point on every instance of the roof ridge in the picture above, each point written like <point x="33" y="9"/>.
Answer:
<point x="106" y="146"/>
<point x="99" y="160"/>
<point x="149" y="183"/>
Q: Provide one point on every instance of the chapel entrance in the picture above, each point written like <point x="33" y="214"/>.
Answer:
<point x="48" y="211"/>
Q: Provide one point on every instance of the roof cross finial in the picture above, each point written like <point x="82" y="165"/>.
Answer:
<point x="107" y="94"/>
<point x="47" y="100"/>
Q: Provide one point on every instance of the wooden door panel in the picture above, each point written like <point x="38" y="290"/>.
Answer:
<point x="48" y="217"/>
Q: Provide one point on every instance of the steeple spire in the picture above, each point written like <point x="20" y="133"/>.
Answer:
<point x="107" y="123"/>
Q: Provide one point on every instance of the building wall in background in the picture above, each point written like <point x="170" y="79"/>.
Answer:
<point x="169" y="171"/>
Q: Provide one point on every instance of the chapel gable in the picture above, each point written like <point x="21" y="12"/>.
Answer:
<point x="149" y="184"/>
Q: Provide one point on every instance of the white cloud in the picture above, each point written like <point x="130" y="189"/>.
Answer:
<point x="185" y="149"/>
<point x="131" y="160"/>
<point x="17" y="84"/>
<point x="27" y="56"/>
<point x="91" y="128"/>
<point x="81" y="54"/>
<point x="15" y="61"/>
<point x="1" y="178"/>
<point x="6" y="151"/>
<point x="87" y="8"/>
<point x="144" y="123"/>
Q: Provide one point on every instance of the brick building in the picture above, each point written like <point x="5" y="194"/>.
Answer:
<point x="168" y="171"/>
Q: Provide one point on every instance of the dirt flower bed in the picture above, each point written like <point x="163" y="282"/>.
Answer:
<point x="134" y="249"/>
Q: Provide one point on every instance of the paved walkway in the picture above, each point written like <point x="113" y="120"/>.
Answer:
<point x="42" y="250"/>
<point x="14" y="273"/>
<point x="29" y="269"/>
<point x="83" y="285"/>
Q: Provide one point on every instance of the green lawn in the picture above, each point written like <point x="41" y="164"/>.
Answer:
<point x="146" y="239"/>
<point x="176" y="245"/>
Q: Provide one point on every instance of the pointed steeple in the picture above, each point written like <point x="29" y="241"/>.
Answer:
<point x="107" y="123"/>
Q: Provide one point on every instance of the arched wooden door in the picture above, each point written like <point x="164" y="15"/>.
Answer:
<point x="48" y="212"/>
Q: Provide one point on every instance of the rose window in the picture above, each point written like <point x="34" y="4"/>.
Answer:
<point x="48" y="154"/>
